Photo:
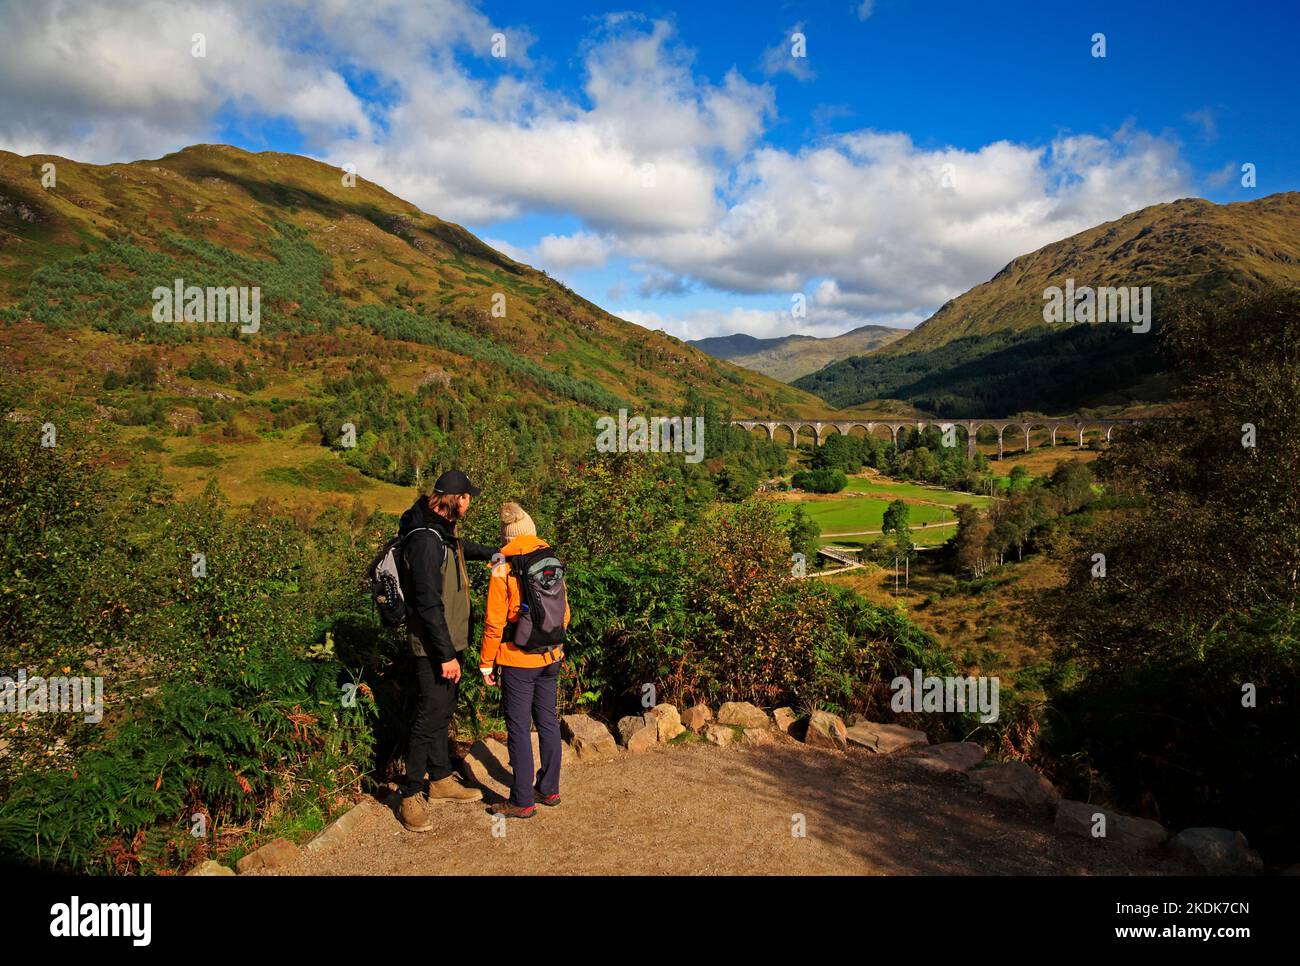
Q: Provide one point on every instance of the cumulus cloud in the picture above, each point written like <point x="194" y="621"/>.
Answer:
<point x="114" y="81"/>
<point x="897" y="227"/>
<point x="558" y="254"/>
<point x="659" y="283"/>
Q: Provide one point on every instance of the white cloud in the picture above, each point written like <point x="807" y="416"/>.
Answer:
<point x="783" y="58"/>
<point x="1207" y="120"/>
<point x="558" y="253"/>
<point x="899" y="228"/>
<point x="566" y="252"/>
<point x="116" y="81"/>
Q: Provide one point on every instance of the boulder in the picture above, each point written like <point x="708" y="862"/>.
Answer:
<point x="949" y="756"/>
<point x="783" y="719"/>
<point x="273" y="855"/>
<point x="742" y="714"/>
<point x="718" y="734"/>
<point x="1080" y="818"/>
<point x="645" y="739"/>
<point x="667" y="719"/>
<point x="211" y="867"/>
<point x="1014" y="781"/>
<point x="826" y="730"/>
<point x="629" y="726"/>
<point x="757" y="736"/>
<point x="697" y="717"/>
<point x="1217" y="851"/>
<point x="587" y="736"/>
<point x="884" y="738"/>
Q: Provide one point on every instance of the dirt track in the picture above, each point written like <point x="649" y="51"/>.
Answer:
<point x="698" y="809"/>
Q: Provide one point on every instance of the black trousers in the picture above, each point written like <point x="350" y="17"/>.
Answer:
<point x="429" y="750"/>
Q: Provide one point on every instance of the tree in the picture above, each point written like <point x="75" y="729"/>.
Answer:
<point x="974" y="535"/>
<point x="895" y="520"/>
<point x="820" y="481"/>
<point x="1071" y="484"/>
<point x="803" y="531"/>
<point x="1217" y="530"/>
<point x="736" y="481"/>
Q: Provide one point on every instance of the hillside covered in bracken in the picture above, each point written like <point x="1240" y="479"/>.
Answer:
<point x="356" y="286"/>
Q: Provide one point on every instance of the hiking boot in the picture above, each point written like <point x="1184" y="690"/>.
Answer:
<point x="550" y="801"/>
<point x="451" y="789"/>
<point x="414" y="815"/>
<point x="511" y="810"/>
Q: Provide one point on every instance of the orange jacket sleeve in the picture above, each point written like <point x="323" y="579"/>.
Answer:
<point x="496" y="614"/>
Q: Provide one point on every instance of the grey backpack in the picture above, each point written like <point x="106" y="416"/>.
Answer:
<point x="384" y="573"/>
<point x="540" y="624"/>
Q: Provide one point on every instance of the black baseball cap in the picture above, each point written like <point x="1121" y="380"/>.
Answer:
<point x="454" y="481"/>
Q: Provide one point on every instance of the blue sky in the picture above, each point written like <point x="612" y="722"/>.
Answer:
<point x="675" y="163"/>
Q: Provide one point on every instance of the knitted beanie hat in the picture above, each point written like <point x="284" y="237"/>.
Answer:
<point x="515" y="522"/>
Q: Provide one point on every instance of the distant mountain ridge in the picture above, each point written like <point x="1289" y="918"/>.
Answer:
<point x="788" y="357"/>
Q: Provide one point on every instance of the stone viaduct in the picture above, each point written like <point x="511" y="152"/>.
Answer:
<point x="1075" y="428"/>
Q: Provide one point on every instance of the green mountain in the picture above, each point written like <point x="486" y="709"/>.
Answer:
<point x="372" y="313"/>
<point x="788" y="357"/>
<point x="990" y="352"/>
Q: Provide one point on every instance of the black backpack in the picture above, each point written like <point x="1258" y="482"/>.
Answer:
<point x="540" y="624"/>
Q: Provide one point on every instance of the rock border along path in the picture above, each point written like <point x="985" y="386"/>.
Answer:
<point x="736" y="803"/>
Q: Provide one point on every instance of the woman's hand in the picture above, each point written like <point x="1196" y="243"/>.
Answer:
<point x="488" y="678"/>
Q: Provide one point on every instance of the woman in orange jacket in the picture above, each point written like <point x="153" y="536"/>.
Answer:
<point x="528" y="678"/>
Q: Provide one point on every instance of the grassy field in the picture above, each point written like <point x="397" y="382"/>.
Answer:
<point x="894" y="490"/>
<point x="929" y="536"/>
<point x="860" y="509"/>
<point x="1041" y="460"/>
<point x="279" y="465"/>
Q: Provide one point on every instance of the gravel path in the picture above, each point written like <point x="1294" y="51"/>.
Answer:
<point x="699" y="809"/>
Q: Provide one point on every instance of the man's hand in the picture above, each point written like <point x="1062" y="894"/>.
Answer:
<point x="451" y="670"/>
<point x="488" y="678"/>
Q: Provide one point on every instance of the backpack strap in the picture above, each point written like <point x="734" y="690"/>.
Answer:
<point x="512" y="561"/>
<point x="402" y="536"/>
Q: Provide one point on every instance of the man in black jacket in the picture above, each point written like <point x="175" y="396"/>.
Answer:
<point x="436" y="588"/>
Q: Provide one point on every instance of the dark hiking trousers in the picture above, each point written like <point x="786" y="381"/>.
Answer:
<point x="528" y="696"/>
<point x="428" y="749"/>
